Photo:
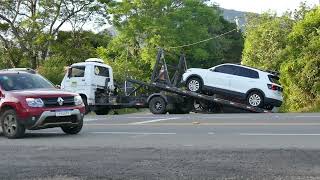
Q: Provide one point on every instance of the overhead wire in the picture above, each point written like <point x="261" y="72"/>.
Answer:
<point x="202" y="41"/>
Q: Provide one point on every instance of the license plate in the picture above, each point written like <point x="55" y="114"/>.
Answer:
<point x="63" y="113"/>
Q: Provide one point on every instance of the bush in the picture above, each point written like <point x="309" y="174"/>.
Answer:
<point x="53" y="69"/>
<point x="291" y="46"/>
<point x="301" y="70"/>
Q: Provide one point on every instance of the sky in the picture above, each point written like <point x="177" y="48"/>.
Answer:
<point x="259" y="6"/>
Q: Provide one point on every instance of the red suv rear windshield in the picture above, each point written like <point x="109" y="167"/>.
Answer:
<point x="21" y="81"/>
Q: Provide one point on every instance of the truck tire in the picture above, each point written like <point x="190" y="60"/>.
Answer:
<point x="194" y="84"/>
<point x="73" y="129"/>
<point x="11" y="127"/>
<point x="157" y="105"/>
<point x="255" y="99"/>
<point x="102" y="111"/>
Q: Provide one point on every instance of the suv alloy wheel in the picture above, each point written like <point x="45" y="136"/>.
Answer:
<point x="194" y="84"/>
<point x="255" y="99"/>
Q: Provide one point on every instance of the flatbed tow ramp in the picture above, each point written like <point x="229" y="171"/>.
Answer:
<point x="160" y="81"/>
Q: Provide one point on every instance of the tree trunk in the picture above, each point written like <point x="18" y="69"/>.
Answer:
<point x="34" y="63"/>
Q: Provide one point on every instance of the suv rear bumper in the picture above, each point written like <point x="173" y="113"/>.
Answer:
<point x="272" y="102"/>
<point x="48" y="119"/>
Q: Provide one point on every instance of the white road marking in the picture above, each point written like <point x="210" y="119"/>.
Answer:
<point x="133" y="133"/>
<point x="89" y="120"/>
<point x="202" y="124"/>
<point x="221" y="117"/>
<point x="152" y="121"/>
<point x="142" y="117"/>
<point x="271" y="134"/>
<point x="211" y="133"/>
<point x="308" y="116"/>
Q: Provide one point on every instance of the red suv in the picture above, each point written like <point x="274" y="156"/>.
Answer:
<point x="29" y="101"/>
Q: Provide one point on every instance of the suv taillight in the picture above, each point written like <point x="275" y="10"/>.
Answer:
<point x="275" y="88"/>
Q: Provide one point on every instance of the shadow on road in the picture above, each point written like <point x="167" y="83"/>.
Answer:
<point x="39" y="135"/>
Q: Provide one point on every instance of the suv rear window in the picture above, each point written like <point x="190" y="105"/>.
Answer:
<point x="274" y="79"/>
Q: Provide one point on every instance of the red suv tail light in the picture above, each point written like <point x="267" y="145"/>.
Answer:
<point x="275" y="87"/>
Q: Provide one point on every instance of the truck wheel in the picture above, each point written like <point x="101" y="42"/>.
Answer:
<point x="73" y="129"/>
<point x="255" y="99"/>
<point x="11" y="127"/>
<point x="194" y="84"/>
<point x="102" y="111"/>
<point x="157" y="105"/>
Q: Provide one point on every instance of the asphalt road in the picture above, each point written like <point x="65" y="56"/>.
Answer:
<point x="194" y="146"/>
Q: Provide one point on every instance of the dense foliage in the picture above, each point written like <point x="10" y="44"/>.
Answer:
<point x="291" y="46"/>
<point x="29" y="27"/>
<point x="31" y="36"/>
<point x="143" y="26"/>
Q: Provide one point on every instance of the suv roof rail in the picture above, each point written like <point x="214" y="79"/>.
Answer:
<point x="29" y="70"/>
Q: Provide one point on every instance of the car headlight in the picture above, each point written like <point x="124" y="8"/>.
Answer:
<point x="34" y="102"/>
<point x="78" y="100"/>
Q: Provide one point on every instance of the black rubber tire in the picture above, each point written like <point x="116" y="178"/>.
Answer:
<point x="256" y="93"/>
<point x="103" y="111"/>
<point x="193" y="79"/>
<point x="157" y="105"/>
<point x="73" y="129"/>
<point x="85" y="102"/>
<point x="11" y="132"/>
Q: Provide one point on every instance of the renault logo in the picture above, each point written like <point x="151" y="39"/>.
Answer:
<point x="60" y="101"/>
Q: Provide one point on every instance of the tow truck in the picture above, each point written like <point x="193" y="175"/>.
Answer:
<point x="95" y="83"/>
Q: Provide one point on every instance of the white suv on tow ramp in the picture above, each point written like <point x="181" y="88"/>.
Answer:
<point x="259" y="88"/>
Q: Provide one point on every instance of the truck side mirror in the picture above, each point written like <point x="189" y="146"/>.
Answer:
<point x="107" y="81"/>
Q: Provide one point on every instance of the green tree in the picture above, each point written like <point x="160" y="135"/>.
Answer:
<point x="145" y="25"/>
<point x="71" y="47"/>
<point x="301" y="69"/>
<point x="53" y="69"/>
<point x="80" y="45"/>
<point x="289" y="44"/>
<point x="31" y="25"/>
<point x="265" y="40"/>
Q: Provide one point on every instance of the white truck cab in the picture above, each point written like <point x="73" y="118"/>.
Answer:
<point x="86" y="77"/>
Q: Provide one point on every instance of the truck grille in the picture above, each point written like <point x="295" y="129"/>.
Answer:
<point x="53" y="102"/>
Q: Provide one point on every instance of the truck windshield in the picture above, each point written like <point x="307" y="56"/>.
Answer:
<point x="21" y="81"/>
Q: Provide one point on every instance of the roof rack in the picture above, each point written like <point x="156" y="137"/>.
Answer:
<point x="95" y="60"/>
